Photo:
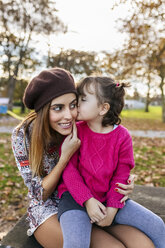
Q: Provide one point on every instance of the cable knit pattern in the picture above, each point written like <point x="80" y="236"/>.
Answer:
<point x="102" y="160"/>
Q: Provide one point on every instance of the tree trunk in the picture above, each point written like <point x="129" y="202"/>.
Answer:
<point x="147" y="103"/>
<point x="148" y="93"/>
<point x="22" y="108"/>
<point x="11" y="87"/>
<point x="163" y="98"/>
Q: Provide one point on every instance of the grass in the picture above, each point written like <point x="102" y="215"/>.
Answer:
<point x="149" y="157"/>
<point x="17" y="111"/>
<point x="12" y="189"/>
<point x="155" y="113"/>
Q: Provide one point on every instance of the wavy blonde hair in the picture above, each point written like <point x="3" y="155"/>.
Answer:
<point x="40" y="137"/>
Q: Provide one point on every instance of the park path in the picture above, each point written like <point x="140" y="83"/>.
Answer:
<point x="5" y="127"/>
<point x="137" y="133"/>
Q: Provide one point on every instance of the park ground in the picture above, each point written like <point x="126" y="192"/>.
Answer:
<point x="149" y="156"/>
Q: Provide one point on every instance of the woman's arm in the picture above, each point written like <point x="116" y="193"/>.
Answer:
<point x="69" y="147"/>
<point x="41" y="188"/>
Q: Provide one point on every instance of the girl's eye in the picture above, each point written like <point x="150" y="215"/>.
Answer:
<point x="83" y="99"/>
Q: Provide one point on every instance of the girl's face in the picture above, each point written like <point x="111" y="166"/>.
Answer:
<point x="88" y="107"/>
<point x="62" y="113"/>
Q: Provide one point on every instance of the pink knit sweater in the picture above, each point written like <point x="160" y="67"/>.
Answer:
<point x="102" y="160"/>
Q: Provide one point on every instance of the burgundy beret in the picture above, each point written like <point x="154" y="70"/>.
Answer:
<point x="48" y="85"/>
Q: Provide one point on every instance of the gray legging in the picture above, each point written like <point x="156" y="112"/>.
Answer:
<point x="76" y="226"/>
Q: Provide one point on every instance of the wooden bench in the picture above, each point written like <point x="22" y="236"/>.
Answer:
<point x="151" y="197"/>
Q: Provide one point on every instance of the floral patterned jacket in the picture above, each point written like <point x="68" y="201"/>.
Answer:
<point x="38" y="210"/>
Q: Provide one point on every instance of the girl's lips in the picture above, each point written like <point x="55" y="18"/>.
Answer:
<point x="65" y="125"/>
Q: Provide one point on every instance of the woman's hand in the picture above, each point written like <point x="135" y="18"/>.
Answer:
<point x="70" y="145"/>
<point x="126" y="189"/>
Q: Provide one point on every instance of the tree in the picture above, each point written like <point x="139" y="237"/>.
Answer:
<point x="22" y="22"/>
<point x="159" y="64"/>
<point x="19" y="91"/>
<point x="77" y="62"/>
<point x="144" y="25"/>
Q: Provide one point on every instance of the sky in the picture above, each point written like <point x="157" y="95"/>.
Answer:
<point x="91" y="25"/>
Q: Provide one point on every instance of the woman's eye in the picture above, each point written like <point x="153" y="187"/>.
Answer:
<point x="58" y="108"/>
<point x="73" y="105"/>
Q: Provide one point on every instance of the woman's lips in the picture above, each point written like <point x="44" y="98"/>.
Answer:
<point x="65" y="125"/>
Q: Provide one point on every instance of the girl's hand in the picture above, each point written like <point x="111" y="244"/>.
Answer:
<point x="70" y="144"/>
<point x="107" y="221"/>
<point x="126" y="189"/>
<point x="95" y="209"/>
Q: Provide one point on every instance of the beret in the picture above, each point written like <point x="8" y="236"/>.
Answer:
<point x="48" y="85"/>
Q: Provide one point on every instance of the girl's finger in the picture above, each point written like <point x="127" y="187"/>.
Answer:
<point x="103" y="209"/>
<point x="94" y="219"/>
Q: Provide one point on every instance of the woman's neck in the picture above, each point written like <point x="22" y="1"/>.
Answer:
<point x="98" y="128"/>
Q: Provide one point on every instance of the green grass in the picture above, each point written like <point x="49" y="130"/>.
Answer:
<point x="17" y="111"/>
<point x="155" y="113"/>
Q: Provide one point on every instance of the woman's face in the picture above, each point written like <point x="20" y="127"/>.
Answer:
<point x="62" y="113"/>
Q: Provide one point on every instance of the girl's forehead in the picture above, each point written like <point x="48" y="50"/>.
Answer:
<point x="89" y="88"/>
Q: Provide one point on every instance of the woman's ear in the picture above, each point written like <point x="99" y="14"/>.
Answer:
<point x="104" y="108"/>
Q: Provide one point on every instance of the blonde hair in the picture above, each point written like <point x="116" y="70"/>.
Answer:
<point x="40" y="138"/>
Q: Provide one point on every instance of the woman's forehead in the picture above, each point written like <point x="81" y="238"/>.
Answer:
<point x="64" y="99"/>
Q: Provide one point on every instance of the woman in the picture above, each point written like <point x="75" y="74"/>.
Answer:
<point x="43" y="145"/>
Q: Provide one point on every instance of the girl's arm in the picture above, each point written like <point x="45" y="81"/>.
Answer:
<point x="74" y="183"/>
<point x="125" y="162"/>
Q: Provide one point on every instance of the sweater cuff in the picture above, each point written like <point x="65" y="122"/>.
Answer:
<point x="115" y="204"/>
<point x="81" y="199"/>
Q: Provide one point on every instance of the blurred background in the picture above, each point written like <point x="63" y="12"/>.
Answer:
<point x="121" y="38"/>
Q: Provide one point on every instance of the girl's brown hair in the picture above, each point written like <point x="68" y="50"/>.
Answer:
<point x="107" y="91"/>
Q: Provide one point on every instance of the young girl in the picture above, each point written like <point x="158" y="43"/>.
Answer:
<point x="36" y="142"/>
<point x="88" y="191"/>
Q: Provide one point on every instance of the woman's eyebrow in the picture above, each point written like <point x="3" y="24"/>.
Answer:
<point x="75" y="100"/>
<point x="61" y="105"/>
<point x="57" y="105"/>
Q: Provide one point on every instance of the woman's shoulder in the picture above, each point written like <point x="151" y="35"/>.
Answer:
<point x="18" y="131"/>
<point x="21" y="132"/>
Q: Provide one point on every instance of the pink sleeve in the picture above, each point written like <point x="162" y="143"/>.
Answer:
<point x="124" y="165"/>
<point x="74" y="181"/>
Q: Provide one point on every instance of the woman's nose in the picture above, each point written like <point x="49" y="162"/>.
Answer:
<point x="68" y="113"/>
